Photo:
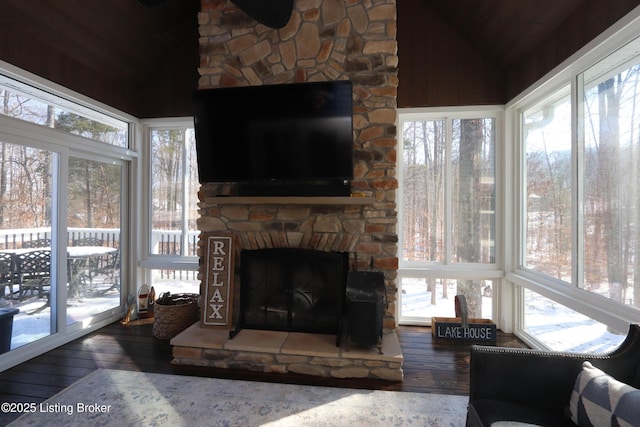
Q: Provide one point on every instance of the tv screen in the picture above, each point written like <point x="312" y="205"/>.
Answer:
<point x="286" y="133"/>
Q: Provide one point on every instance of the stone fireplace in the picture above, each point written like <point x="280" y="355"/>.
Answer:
<point x="323" y="40"/>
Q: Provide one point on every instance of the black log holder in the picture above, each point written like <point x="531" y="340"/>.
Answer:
<point x="365" y="303"/>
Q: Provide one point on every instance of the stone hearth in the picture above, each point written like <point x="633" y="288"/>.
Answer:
<point x="285" y="352"/>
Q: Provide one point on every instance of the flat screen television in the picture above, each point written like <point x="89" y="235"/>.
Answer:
<point x="289" y="139"/>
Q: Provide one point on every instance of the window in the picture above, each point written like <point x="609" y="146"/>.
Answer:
<point x="173" y="212"/>
<point x="94" y="243"/>
<point x="448" y="183"/>
<point x="25" y="102"/>
<point x="560" y="328"/>
<point x="610" y="166"/>
<point x="579" y="221"/>
<point x="448" y="219"/>
<point x="174" y="186"/>
<point x="64" y="188"/>
<point x="175" y="281"/>
<point x="27" y="195"/>
<point x="547" y="140"/>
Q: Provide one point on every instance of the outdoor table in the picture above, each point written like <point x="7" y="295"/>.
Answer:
<point x="77" y="259"/>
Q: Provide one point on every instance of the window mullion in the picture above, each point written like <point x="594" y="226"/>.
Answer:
<point x="60" y="201"/>
<point x="577" y="136"/>
<point x="184" y="249"/>
<point x="522" y="212"/>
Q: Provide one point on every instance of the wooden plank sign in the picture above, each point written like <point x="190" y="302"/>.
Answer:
<point x="450" y="328"/>
<point x="218" y="282"/>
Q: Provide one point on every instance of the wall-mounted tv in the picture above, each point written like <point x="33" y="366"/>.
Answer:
<point x="289" y="139"/>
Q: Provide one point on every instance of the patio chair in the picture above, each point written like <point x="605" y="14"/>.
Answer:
<point x="34" y="274"/>
<point x="37" y="243"/>
<point x="7" y="274"/>
<point x="110" y="268"/>
<point x="88" y="241"/>
<point x="88" y="266"/>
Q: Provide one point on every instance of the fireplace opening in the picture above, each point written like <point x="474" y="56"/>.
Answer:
<point x="295" y="290"/>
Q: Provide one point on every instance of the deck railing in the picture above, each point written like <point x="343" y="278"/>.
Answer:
<point x="169" y="242"/>
<point x="163" y="242"/>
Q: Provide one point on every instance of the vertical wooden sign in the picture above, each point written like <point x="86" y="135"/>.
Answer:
<point x="218" y="282"/>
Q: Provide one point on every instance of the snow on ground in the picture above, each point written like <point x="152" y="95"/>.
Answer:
<point x="33" y="321"/>
<point x="556" y="326"/>
<point x="563" y="329"/>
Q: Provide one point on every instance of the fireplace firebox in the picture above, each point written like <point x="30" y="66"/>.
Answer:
<point x="295" y="290"/>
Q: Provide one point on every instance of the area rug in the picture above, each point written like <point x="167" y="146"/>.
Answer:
<point x="123" y="398"/>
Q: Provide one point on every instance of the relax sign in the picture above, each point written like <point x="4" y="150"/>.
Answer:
<point x="218" y="281"/>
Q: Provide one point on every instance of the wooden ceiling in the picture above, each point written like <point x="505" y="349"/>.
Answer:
<point x="119" y="37"/>
<point x="505" y="30"/>
<point x="136" y="44"/>
<point x="143" y="59"/>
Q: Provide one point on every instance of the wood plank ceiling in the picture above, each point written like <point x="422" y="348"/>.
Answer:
<point x="505" y="30"/>
<point x="96" y="47"/>
<point x="122" y="52"/>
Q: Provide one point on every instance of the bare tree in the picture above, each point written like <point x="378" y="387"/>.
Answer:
<point x="468" y="233"/>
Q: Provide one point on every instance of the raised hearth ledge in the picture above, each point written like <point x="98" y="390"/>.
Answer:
<point x="288" y="200"/>
<point x="284" y="352"/>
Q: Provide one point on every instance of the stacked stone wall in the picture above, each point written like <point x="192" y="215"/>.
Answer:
<point x="318" y="366"/>
<point x="324" y="40"/>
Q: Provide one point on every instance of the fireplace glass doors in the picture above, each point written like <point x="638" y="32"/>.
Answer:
<point x="296" y="290"/>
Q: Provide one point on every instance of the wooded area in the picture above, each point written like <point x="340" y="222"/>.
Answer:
<point x="608" y="195"/>
<point x="28" y="177"/>
<point x="174" y="187"/>
<point x="449" y="197"/>
<point x="581" y="218"/>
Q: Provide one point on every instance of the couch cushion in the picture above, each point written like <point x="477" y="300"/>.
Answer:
<point x="599" y="399"/>
<point x="485" y="412"/>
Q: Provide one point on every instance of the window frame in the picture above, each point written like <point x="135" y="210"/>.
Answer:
<point x="65" y="145"/>
<point x="24" y="84"/>
<point x="148" y="260"/>
<point x="448" y="269"/>
<point x="606" y="311"/>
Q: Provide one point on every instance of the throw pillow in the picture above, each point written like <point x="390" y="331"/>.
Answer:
<point x="598" y="399"/>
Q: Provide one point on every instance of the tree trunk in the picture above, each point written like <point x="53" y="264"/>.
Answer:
<point x="468" y="234"/>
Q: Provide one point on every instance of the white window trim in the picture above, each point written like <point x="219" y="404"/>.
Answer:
<point x="63" y="145"/>
<point x="453" y="113"/>
<point x="449" y="270"/>
<point x="600" y="309"/>
<point x="150" y="261"/>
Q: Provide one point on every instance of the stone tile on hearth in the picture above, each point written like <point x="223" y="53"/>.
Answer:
<point x="391" y="350"/>
<point x="311" y="345"/>
<point x="257" y="340"/>
<point x="195" y="336"/>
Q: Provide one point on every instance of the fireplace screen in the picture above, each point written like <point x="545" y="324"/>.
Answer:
<point x="295" y="290"/>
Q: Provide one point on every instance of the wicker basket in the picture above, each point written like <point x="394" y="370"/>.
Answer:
<point x="174" y="313"/>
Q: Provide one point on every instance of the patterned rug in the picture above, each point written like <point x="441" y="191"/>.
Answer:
<point x="124" y="398"/>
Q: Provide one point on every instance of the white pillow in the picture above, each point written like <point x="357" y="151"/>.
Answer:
<point x="598" y="399"/>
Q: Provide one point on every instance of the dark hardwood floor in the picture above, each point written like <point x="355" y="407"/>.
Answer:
<point x="429" y="366"/>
